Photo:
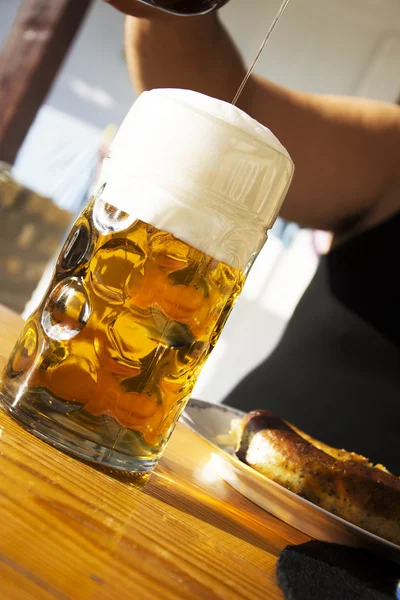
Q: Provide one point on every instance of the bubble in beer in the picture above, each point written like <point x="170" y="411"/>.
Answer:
<point x="112" y="266"/>
<point x="26" y="349"/>
<point x="75" y="248"/>
<point x="66" y="311"/>
<point x="108" y="218"/>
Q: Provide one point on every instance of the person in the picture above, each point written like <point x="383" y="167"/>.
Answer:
<point x="336" y="371"/>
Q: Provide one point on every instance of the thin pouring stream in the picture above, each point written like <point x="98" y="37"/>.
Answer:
<point x="257" y="56"/>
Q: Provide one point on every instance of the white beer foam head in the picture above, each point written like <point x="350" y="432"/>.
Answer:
<point x="201" y="169"/>
<point x="226" y="112"/>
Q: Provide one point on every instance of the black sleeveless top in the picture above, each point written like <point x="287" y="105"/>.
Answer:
<point x="336" y="371"/>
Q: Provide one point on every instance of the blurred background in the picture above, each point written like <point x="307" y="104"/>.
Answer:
<point x="328" y="46"/>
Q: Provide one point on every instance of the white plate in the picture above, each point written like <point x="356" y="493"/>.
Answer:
<point x="212" y="422"/>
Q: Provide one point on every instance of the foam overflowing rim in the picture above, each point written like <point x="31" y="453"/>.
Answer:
<point x="225" y="112"/>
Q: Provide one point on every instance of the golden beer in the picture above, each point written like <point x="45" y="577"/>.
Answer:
<point x="147" y="278"/>
<point x="129" y="320"/>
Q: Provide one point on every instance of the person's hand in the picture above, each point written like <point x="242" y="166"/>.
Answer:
<point x="135" y="8"/>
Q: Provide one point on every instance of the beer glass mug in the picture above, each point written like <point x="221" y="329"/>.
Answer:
<point x="186" y="7"/>
<point x="147" y="278"/>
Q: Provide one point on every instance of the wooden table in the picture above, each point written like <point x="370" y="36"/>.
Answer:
<point x="69" y="531"/>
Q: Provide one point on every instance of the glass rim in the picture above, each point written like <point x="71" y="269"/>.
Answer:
<point x="194" y="13"/>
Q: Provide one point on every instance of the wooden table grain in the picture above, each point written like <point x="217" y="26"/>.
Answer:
<point x="71" y="532"/>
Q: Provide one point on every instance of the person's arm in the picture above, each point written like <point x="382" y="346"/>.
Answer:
<point x="345" y="152"/>
<point x="194" y="53"/>
<point x="345" y="149"/>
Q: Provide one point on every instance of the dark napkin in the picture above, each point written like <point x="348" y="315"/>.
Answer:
<point x="321" y="571"/>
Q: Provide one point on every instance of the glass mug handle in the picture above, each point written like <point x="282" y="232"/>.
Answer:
<point x="186" y="7"/>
